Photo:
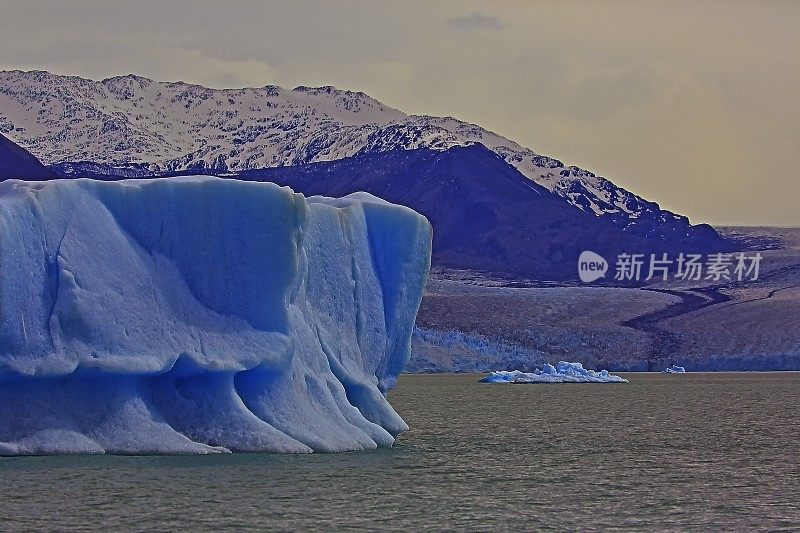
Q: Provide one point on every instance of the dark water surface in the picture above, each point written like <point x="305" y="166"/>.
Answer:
<point x="698" y="451"/>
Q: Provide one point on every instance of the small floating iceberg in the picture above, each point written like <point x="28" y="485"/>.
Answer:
<point x="674" y="369"/>
<point x="563" y="372"/>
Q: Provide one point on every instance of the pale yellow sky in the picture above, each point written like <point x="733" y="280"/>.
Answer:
<point x="693" y="104"/>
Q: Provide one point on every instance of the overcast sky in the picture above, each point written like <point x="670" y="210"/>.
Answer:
<point x="691" y="104"/>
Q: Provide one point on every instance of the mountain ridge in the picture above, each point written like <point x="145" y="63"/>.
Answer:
<point x="134" y="126"/>
<point x="16" y="162"/>
<point x="486" y="215"/>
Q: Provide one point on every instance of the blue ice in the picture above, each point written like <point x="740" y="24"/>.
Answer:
<point x="197" y="315"/>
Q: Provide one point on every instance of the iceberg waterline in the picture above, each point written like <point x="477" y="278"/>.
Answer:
<point x="563" y="372"/>
<point x="194" y="315"/>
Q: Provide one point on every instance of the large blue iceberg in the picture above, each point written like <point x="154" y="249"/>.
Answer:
<point x="194" y="315"/>
<point x="563" y="372"/>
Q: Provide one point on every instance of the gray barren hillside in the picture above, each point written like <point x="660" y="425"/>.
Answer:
<point x="471" y="323"/>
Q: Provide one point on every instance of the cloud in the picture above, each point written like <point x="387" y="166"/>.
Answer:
<point x="474" y="21"/>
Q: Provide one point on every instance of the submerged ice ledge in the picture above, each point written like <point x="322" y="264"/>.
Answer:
<point x="563" y="372"/>
<point x="193" y="315"/>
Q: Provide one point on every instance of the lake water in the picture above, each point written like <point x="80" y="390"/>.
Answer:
<point x="672" y="452"/>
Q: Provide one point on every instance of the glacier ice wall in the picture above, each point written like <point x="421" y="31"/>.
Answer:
<point x="193" y="315"/>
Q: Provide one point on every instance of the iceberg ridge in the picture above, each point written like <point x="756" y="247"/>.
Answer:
<point x="198" y="314"/>
<point x="563" y="372"/>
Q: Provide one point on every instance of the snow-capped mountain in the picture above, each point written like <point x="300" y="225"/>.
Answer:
<point x="130" y="125"/>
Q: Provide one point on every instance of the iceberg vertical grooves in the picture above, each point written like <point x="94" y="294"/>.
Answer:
<point x="393" y="248"/>
<point x="201" y="315"/>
